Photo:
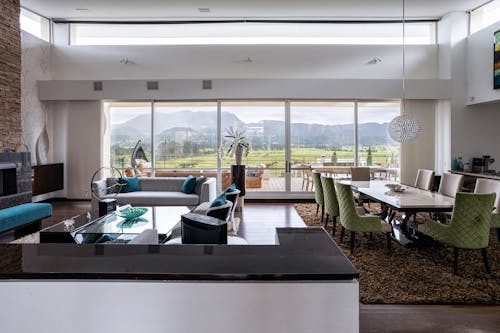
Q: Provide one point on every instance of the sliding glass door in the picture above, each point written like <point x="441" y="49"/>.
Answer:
<point x="375" y="146"/>
<point x="128" y="133"/>
<point x="288" y="140"/>
<point x="185" y="136"/>
<point x="264" y="124"/>
<point x="321" y="132"/>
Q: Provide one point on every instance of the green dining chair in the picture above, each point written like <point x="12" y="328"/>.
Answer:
<point x="330" y="201"/>
<point x="318" y="194"/>
<point x="491" y="186"/>
<point x="495" y="224"/>
<point x="353" y="222"/>
<point x="469" y="227"/>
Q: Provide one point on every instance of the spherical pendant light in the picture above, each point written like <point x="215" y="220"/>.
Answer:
<point x="404" y="128"/>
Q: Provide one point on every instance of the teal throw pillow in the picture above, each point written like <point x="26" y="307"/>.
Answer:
<point x="131" y="184"/>
<point x="231" y="188"/>
<point x="219" y="201"/>
<point x="189" y="185"/>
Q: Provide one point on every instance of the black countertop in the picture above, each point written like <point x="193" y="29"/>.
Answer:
<point x="301" y="254"/>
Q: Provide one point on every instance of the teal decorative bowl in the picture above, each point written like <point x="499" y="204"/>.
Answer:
<point x="132" y="223"/>
<point x="132" y="212"/>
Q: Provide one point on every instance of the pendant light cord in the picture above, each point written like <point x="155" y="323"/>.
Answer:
<point x="404" y="88"/>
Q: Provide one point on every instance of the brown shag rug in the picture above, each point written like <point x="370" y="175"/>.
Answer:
<point x="416" y="276"/>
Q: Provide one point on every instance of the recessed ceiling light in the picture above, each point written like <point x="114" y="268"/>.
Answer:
<point x="204" y="10"/>
<point x="248" y="60"/>
<point x="374" y="61"/>
<point x="126" y="61"/>
<point x="81" y="9"/>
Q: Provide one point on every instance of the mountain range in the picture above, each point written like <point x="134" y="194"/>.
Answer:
<point x="201" y="127"/>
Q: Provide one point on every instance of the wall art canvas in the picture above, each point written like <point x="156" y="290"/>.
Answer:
<point x="496" y="62"/>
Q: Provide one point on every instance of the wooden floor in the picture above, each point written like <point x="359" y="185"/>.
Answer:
<point x="257" y="226"/>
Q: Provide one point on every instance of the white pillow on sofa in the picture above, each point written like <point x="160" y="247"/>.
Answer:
<point x="148" y="236"/>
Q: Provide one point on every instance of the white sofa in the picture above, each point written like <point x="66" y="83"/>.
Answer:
<point x="157" y="191"/>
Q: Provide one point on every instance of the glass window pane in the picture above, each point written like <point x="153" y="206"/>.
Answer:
<point x="185" y="136"/>
<point x="484" y="16"/>
<point x="376" y="148"/>
<point x="34" y="24"/>
<point x="252" y="33"/>
<point x="264" y="124"/>
<point x="130" y="137"/>
<point x="321" y="132"/>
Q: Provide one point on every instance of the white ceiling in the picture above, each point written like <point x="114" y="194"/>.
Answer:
<point x="171" y="9"/>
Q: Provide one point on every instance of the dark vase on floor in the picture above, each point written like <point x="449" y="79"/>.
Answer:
<point x="238" y="177"/>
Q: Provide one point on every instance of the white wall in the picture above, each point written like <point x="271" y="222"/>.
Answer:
<point x="420" y="153"/>
<point x="474" y="129"/>
<point x="227" y="61"/>
<point x="442" y="151"/>
<point x="81" y="140"/>
<point x="287" y="72"/>
<point x="444" y="47"/>
<point x="476" y="132"/>
<point x="184" y="307"/>
<point x="188" y="89"/>
<point x="60" y="142"/>
<point x="35" y="64"/>
<point x="36" y="115"/>
<point x="480" y="67"/>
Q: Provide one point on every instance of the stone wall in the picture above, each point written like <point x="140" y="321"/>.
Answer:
<point x="10" y="75"/>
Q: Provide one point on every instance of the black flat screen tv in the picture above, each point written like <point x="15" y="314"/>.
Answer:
<point x="496" y="61"/>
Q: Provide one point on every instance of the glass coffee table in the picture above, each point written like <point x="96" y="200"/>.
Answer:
<point x="114" y="228"/>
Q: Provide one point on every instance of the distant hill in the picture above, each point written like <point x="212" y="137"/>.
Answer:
<point x="318" y="135"/>
<point x="202" y="128"/>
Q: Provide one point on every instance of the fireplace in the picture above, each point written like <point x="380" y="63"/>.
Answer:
<point x="15" y="179"/>
<point x="8" y="179"/>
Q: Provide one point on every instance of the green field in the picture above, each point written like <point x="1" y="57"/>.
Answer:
<point x="275" y="159"/>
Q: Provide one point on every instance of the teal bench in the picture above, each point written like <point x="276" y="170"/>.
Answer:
<point x="24" y="218"/>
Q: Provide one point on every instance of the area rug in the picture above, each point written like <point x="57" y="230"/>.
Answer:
<point x="416" y="276"/>
<point x="33" y="238"/>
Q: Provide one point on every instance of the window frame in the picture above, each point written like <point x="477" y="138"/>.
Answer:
<point x="472" y="26"/>
<point x="45" y="32"/>
<point x="391" y="35"/>
<point x="287" y="109"/>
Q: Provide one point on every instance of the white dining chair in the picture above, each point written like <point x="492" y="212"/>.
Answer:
<point x="484" y="186"/>
<point x="360" y="174"/>
<point x="425" y="179"/>
<point x="450" y="184"/>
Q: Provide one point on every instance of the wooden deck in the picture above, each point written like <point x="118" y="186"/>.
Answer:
<point x="275" y="184"/>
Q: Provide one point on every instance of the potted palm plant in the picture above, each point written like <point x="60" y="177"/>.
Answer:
<point x="237" y="146"/>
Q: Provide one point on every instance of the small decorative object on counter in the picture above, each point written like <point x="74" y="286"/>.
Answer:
<point x="131" y="212"/>
<point x="454" y="164"/>
<point x="460" y="164"/>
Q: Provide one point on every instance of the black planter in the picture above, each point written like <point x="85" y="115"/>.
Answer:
<point x="238" y="177"/>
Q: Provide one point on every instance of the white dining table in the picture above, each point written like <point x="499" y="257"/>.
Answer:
<point x="409" y="201"/>
<point x="346" y="170"/>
